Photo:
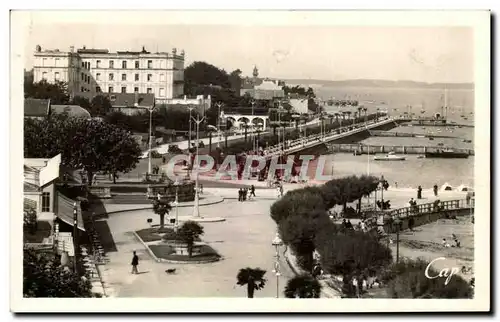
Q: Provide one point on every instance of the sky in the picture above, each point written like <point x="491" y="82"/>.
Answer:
<point x="428" y="54"/>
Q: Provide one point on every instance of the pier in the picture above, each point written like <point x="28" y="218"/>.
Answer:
<point x="429" y="121"/>
<point x="414" y="135"/>
<point x="401" y="149"/>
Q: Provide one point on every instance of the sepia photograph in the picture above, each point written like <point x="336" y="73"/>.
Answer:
<point x="260" y="157"/>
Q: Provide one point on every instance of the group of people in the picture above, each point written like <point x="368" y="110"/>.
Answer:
<point x="246" y="193"/>
<point x="455" y="241"/>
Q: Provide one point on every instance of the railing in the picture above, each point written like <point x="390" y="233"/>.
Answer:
<point x="433" y="207"/>
<point x="312" y="140"/>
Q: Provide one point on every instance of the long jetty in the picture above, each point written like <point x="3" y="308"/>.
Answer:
<point x="401" y="149"/>
<point x="429" y="121"/>
<point x="414" y="135"/>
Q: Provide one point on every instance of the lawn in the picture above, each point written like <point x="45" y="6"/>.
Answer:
<point x="166" y="252"/>
<point x="155" y="234"/>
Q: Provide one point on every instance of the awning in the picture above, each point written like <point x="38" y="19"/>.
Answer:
<point x="65" y="211"/>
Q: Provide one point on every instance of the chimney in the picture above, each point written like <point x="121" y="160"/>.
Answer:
<point x="84" y="47"/>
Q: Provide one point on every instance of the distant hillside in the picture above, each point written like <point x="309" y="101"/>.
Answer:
<point x="379" y="83"/>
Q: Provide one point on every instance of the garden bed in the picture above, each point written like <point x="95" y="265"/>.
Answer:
<point x="155" y="234"/>
<point x="166" y="252"/>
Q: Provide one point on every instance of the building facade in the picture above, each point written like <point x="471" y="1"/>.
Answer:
<point x="98" y="70"/>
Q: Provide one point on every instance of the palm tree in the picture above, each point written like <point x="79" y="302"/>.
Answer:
<point x="161" y="208"/>
<point x="303" y="286"/>
<point x="253" y="278"/>
<point x="188" y="233"/>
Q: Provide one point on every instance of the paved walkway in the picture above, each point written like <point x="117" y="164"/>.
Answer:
<point x="244" y="240"/>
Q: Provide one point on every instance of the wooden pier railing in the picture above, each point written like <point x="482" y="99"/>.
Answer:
<point x="432" y="207"/>
<point x="401" y="149"/>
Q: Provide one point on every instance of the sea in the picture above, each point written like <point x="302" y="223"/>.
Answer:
<point x="414" y="171"/>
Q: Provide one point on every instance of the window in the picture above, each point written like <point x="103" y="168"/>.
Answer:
<point x="98" y="89"/>
<point x="58" y="61"/>
<point x="45" y="201"/>
<point x="136" y="89"/>
<point x="44" y="75"/>
<point x="124" y="64"/>
<point x="124" y="89"/>
<point x="88" y="79"/>
<point x="162" y="77"/>
<point x="162" y="92"/>
<point x="98" y="64"/>
<point x="136" y="64"/>
<point x="83" y="89"/>
<point x="111" y="76"/>
<point x="56" y="76"/>
<point x="136" y="77"/>
<point x="83" y="77"/>
<point x="150" y="77"/>
<point x="150" y="64"/>
<point x="111" y="64"/>
<point x="150" y="91"/>
<point x="83" y="64"/>
<point x="124" y="77"/>
<point x="98" y="76"/>
<point x="110" y="89"/>
<point x="44" y="61"/>
<point x="112" y="98"/>
<point x="88" y="65"/>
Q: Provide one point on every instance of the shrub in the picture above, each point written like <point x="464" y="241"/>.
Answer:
<point x="345" y="253"/>
<point x="409" y="281"/>
<point x="155" y="154"/>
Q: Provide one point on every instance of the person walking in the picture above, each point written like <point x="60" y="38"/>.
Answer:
<point x="135" y="263"/>
<point x="252" y="191"/>
<point x="240" y="195"/>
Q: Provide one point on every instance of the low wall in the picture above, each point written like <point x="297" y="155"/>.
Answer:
<point x="185" y="190"/>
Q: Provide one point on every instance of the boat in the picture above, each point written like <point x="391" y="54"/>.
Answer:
<point x="447" y="153"/>
<point x="391" y="156"/>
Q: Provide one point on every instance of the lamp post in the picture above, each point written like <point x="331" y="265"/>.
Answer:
<point x="196" y="208"/>
<point x="176" y="225"/>
<point x="277" y="243"/>
<point x="75" y="236"/>
<point x="397" y="221"/>
<point x="219" y="105"/>
<point x="190" y="108"/>
<point x="150" y="137"/>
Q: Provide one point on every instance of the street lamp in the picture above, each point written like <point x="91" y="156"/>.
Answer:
<point x="176" y="225"/>
<point x="277" y="243"/>
<point x="398" y="223"/>
<point x="190" y="108"/>
<point x="196" y="208"/>
<point x="75" y="235"/>
<point x="219" y="105"/>
<point x="151" y="109"/>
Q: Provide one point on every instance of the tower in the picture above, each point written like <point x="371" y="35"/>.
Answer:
<point x="255" y="72"/>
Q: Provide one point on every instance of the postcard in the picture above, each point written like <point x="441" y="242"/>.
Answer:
<point x="250" y="161"/>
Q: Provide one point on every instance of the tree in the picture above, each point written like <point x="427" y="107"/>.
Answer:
<point x="82" y="102"/>
<point x="408" y="280"/>
<point x="235" y="80"/>
<point x="30" y="220"/>
<point x="302" y="286"/>
<point x="57" y="92"/>
<point x="189" y="232"/>
<point x="95" y="146"/>
<point x="43" y="276"/>
<point x="100" y="105"/>
<point x="161" y="208"/>
<point x="253" y="278"/>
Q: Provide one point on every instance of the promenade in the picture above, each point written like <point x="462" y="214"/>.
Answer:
<point x="244" y="240"/>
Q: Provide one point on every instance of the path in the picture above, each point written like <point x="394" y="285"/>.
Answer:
<point x="244" y="240"/>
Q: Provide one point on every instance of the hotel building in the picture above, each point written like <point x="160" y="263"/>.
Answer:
<point x="101" y="71"/>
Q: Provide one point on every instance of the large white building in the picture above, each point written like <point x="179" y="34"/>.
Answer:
<point x="98" y="70"/>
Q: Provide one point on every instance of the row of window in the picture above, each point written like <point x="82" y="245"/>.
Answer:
<point x="86" y="78"/>
<point x="111" y="77"/>
<point x="149" y="90"/>
<point x="57" y="76"/>
<point x="124" y="64"/>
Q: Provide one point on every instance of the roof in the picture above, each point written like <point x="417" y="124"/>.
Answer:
<point x="124" y="99"/>
<point x="36" y="107"/>
<point x="71" y="110"/>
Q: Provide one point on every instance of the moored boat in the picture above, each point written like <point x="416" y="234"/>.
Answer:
<point x="447" y="153"/>
<point x="391" y="156"/>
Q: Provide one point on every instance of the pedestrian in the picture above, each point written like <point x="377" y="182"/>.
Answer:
<point x="164" y="159"/>
<point x="281" y="190"/>
<point x="435" y="188"/>
<point x="201" y="188"/>
<point x="240" y="195"/>
<point x="135" y="263"/>
<point x="245" y="191"/>
<point x="252" y="191"/>
<point x="419" y="192"/>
